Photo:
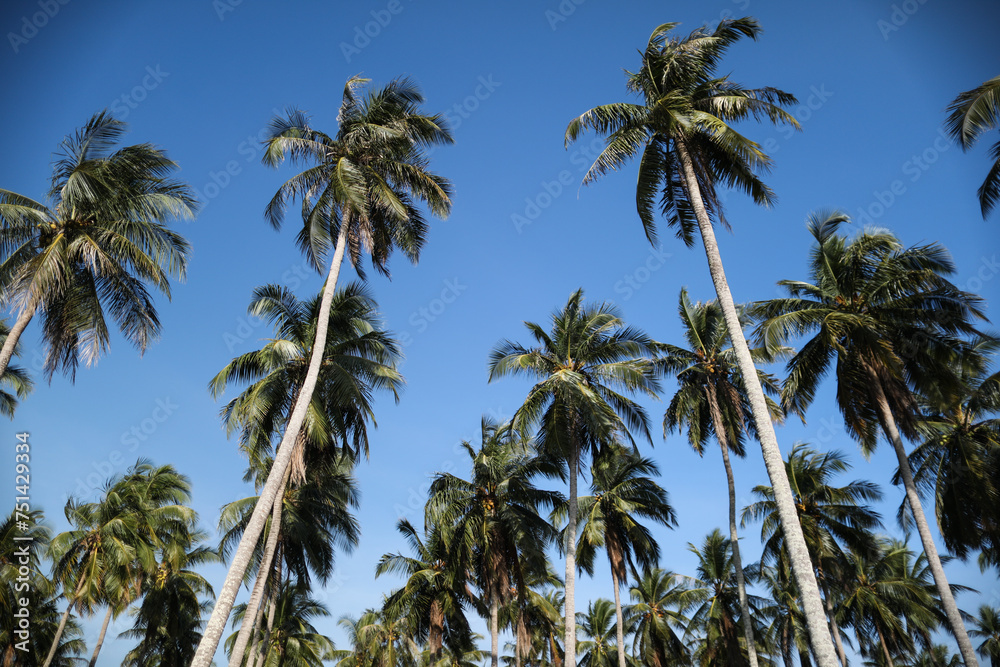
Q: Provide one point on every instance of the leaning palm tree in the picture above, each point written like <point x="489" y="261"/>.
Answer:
<point x="98" y="246"/>
<point x="973" y="113"/>
<point x="894" y="324"/>
<point x="710" y="400"/>
<point x="580" y="367"/>
<point x="14" y="379"/>
<point x="987" y="628"/>
<point x="360" y="358"/>
<point x="498" y="535"/>
<point x="624" y="492"/>
<point x="363" y="192"/>
<point x="689" y="149"/>
<point x="834" y="519"/>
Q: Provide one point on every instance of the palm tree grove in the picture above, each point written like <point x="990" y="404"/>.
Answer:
<point x="557" y="334"/>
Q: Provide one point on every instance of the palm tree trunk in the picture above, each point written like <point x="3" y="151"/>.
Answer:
<point x="276" y="580"/>
<point x="494" y="632"/>
<point x="241" y="559"/>
<point x="100" y="638"/>
<point x="812" y="604"/>
<point x="252" y="616"/>
<point x="15" y="335"/>
<point x="435" y="639"/>
<point x="833" y="623"/>
<point x="933" y="560"/>
<point x="720" y="435"/>
<point x="62" y="624"/>
<point x="619" y="622"/>
<point x="885" y="649"/>
<point x="570" y="613"/>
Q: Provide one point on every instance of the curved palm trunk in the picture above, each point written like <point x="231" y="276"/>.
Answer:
<point x="570" y="613"/>
<point x="100" y="638"/>
<point x="619" y="633"/>
<point x="812" y="604"/>
<point x="933" y="560"/>
<point x="720" y="435"/>
<point x="251" y="619"/>
<point x="494" y="632"/>
<point x="7" y="351"/>
<point x="885" y="649"/>
<point x="241" y="560"/>
<point x="62" y="624"/>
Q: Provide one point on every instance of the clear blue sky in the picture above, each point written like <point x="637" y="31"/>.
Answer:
<point x="202" y="79"/>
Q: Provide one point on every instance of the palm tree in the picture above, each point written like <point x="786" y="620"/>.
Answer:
<point x="987" y="628"/>
<point x="378" y="638"/>
<point x="14" y="378"/>
<point x="833" y="519"/>
<point x="624" y="492"/>
<point x="889" y="601"/>
<point x="363" y="194"/>
<point x="688" y="149"/>
<point x="105" y="558"/>
<point x="168" y="623"/>
<point x="580" y="366"/>
<point x="542" y="619"/>
<point x="100" y="243"/>
<point x="711" y="399"/>
<point x="892" y="320"/>
<point x="787" y="632"/>
<point x="718" y="612"/>
<point x="498" y="536"/>
<point x="360" y="358"/>
<point x="973" y="113"/>
<point x="659" y="601"/>
<point x="597" y="649"/>
<point x="434" y="594"/>
<point x="959" y="461"/>
<point x="938" y="655"/>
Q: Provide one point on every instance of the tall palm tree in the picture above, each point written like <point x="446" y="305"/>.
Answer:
<point x="580" y="367"/>
<point x="718" y="613"/>
<point x="99" y="244"/>
<point x="168" y="623"/>
<point x="660" y="600"/>
<point x="112" y="547"/>
<point x="682" y="127"/>
<point x="360" y="358"/>
<point x="435" y="591"/>
<point x="498" y="536"/>
<point x="624" y="492"/>
<point x="987" y="628"/>
<point x="710" y="400"/>
<point x="363" y="193"/>
<point x="834" y="519"/>
<point x="893" y="322"/>
<point x="959" y="461"/>
<point x="597" y="649"/>
<point x="972" y="114"/>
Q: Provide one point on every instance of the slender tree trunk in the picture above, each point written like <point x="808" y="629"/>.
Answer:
<point x="62" y="624"/>
<point x="15" y="335"/>
<point x="224" y="604"/>
<point x="435" y="639"/>
<point x="100" y="638"/>
<point x="276" y="583"/>
<point x="494" y="632"/>
<point x="554" y="652"/>
<point x="619" y="622"/>
<point x="812" y="604"/>
<point x="933" y="560"/>
<point x="252" y="617"/>
<point x="720" y="435"/>
<point x="570" y="620"/>
<point x="885" y="649"/>
<point x="833" y="623"/>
